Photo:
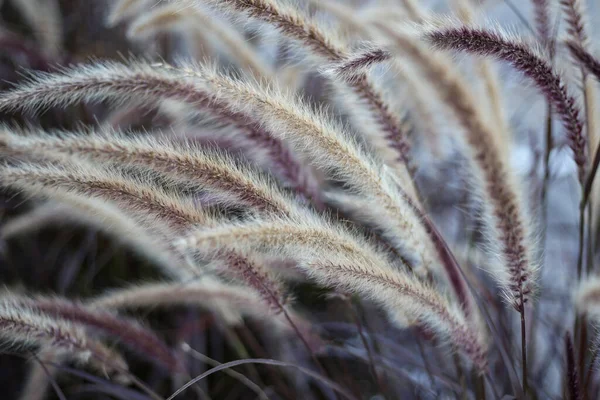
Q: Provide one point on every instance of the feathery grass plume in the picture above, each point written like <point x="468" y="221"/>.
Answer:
<point x="290" y="21"/>
<point x="143" y="201"/>
<point x="129" y="332"/>
<point x="418" y="98"/>
<point x="591" y="63"/>
<point x="298" y="27"/>
<point x="200" y="169"/>
<point x="148" y="85"/>
<point x="173" y="16"/>
<point x="76" y="208"/>
<point x="327" y="145"/>
<point x="541" y="10"/>
<point x="308" y="235"/>
<point x="576" y="29"/>
<point x="577" y="32"/>
<point x="140" y="198"/>
<point x="251" y="270"/>
<point x="158" y="212"/>
<point x="359" y="209"/>
<point x="132" y="196"/>
<point x="401" y="223"/>
<point x="23" y="325"/>
<point x="488" y="75"/>
<point x="304" y="239"/>
<point x="510" y="233"/>
<point x="227" y="300"/>
<point x="574" y="13"/>
<point x="357" y="63"/>
<point x="341" y="260"/>
<point x="524" y="58"/>
<point x="125" y="9"/>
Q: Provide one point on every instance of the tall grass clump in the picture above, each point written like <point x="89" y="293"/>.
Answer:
<point x="277" y="200"/>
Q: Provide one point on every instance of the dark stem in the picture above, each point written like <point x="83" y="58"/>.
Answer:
<point x="365" y="343"/>
<point x="425" y="361"/>
<point x="549" y="145"/>
<point x="50" y="377"/>
<point x="581" y="240"/>
<point x="523" y="346"/>
<point x="479" y="385"/>
<point x="590" y="370"/>
<point x="582" y="342"/>
<point x="533" y="325"/>
<point x="461" y="376"/>
<point x="590" y="179"/>
<point x="590" y="237"/>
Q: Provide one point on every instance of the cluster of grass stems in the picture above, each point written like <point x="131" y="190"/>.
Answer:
<point x="274" y="161"/>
